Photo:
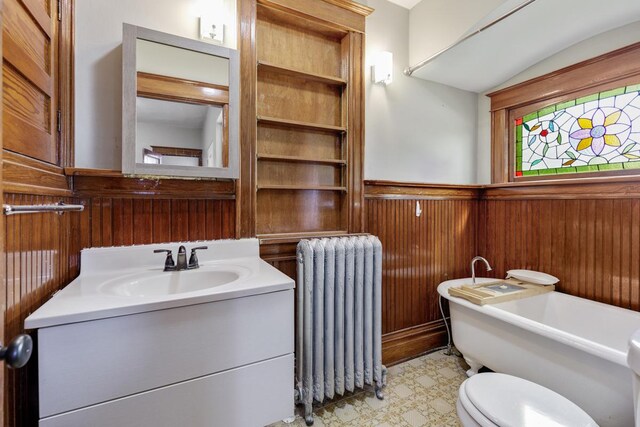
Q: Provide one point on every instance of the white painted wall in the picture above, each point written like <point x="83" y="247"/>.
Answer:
<point x="415" y="130"/>
<point x="98" y="64"/>
<point x="589" y="48"/>
<point x="211" y="136"/>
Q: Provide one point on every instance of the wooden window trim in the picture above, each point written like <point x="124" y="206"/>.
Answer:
<point x="613" y="69"/>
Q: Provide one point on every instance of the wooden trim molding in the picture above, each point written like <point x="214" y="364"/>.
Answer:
<point x="355" y="137"/>
<point x="339" y="14"/>
<point x="246" y="195"/>
<point x="176" y="152"/>
<point x="627" y="187"/>
<point x="92" y="172"/>
<point x="352" y="6"/>
<point x="4" y="389"/>
<point x="610" y="67"/>
<point x="66" y="64"/>
<point x="181" y="90"/>
<point x="24" y="175"/>
<point x="415" y="190"/>
<point x="406" y="344"/>
<point x="113" y="185"/>
<point x="586" y="188"/>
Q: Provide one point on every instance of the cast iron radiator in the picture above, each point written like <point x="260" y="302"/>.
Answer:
<point x="339" y="320"/>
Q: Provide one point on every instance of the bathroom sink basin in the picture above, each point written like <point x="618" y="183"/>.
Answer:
<point x="126" y="280"/>
<point x="146" y="284"/>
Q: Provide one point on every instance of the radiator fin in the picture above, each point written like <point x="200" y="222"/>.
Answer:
<point x="339" y="331"/>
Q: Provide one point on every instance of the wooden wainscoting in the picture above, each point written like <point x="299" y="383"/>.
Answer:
<point x="418" y="254"/>
<point x="132" y="211"/>
<point x="116" y="221"/>
<point x="586" y="233"/>
<point x="41" y="256"/>
<point x="42" y="251"/>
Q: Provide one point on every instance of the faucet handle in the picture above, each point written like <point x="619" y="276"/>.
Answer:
<point x="169" y="264"/>
<point x="193" y="259"/>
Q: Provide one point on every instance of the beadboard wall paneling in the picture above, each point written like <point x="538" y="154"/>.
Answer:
<point x="418" y="254"/>
<point x="132" y="221"/>
<point x="42" y="254"/>
<point x="591" y="244"/>
<point x="42" y="251"/>
<point x="136" y="211"/>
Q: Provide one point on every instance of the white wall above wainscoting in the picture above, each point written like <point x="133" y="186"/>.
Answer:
<point x="98" y="64"/>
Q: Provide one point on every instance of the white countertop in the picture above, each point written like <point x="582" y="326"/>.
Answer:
<point x="84" y="299"/>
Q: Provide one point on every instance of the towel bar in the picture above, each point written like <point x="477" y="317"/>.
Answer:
<point x="57" y="208"/>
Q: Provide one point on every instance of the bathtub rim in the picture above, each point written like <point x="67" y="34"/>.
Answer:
<point x="594" y="348"/>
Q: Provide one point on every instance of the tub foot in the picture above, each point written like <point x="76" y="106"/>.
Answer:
<point x="474" y="366"/>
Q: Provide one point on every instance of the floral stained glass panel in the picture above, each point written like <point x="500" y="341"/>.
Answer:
<point x="599" y="132"/>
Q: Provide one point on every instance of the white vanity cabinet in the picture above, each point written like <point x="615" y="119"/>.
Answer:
<point x="216" y="359"/>
<point x="226" y="363"/>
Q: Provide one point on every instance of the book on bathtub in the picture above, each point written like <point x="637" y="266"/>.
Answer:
<point x="499" y="291"/>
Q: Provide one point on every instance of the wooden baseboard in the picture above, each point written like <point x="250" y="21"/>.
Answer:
<point x="406" y="344"/>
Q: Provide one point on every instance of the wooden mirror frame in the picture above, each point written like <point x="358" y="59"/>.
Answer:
<point x="130" y="91"/>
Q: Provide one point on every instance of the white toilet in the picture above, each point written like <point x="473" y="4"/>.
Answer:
<point x="493" y="399"/>
<point x="633" y="360"/>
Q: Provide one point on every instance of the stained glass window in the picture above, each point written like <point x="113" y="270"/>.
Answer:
<point x="599" y="132"/>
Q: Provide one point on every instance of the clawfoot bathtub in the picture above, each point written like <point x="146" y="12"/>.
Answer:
<point x="574" y="346"/>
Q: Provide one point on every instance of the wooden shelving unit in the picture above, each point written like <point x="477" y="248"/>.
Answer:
<point x="300" y="124"/>
<point x="292" y="72"/>
<point x="297" y="159"/>
<point x="302" y="136"/>
<point x="301" y="187"/>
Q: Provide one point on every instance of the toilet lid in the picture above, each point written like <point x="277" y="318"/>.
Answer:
<point x="510" y="401"/>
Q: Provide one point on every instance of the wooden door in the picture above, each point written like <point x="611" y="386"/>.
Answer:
<point x="3" y="289"/>
<point x="30" y="110"/>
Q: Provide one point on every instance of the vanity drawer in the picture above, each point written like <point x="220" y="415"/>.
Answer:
<point x="254" y="395"/>
<point x="82" y="364"/>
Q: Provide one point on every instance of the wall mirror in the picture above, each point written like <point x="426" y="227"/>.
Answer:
<point x="180" y="106"/>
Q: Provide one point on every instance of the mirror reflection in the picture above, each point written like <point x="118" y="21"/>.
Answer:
<point x="180" y="104"/>
<point x="180" y="134"/>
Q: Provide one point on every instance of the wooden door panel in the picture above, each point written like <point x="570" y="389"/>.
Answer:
<point x="29" y="103"/>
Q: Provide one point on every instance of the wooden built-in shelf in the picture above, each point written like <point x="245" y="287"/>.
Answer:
<point x="302" y="187"/>
<point x="301" y="125"/>
<point x="297" y="159"/>
<point x="292" y="72"/>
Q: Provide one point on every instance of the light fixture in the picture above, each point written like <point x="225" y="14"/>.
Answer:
<point x="211" y="29"/>
<point x="382" y="69"/>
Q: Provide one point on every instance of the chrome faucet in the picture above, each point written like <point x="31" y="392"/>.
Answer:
<point x="473" y="267"/>
<point x="170" y="265"/>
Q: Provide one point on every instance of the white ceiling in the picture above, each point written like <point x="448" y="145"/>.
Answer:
<point x="525" y="38"/>
<point x="406" y="3"/>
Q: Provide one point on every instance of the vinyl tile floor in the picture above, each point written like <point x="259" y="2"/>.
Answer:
<point x="420" y="392"/>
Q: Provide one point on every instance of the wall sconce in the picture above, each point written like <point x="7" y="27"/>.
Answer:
<point x="211" y="29"/>
<point x="382" y="69"/>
